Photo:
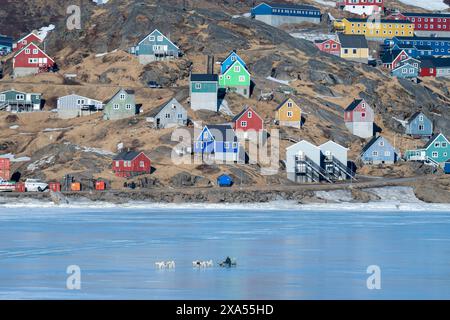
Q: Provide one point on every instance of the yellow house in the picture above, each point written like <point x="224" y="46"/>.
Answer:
<point x="289" y="114"/>
<point x="354" y="47"/>
<point x="375" y="30"/>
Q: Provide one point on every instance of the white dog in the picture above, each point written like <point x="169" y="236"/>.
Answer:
<point x="165" y="265"/>
<point x="202" y="264"/>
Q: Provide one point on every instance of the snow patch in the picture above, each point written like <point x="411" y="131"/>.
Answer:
<point x="285" y="82"/>
<point x="99" y="55"/>
<point x="429" y="5"/>
<point x="14" y="127"/>
<point x="13" y="158"/>
<point x="402" y="122"/>
<point x="43" y="32"/>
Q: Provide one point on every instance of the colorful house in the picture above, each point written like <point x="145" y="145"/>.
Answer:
<point x="354" y="48"/>
<point x="229" y="60"/>
<point x="414" y="51"/>
<point x="31" y="60"/>
<point x="361" y="7"/>
<point x="379" y="151"/>
<point x="6" y="44"/>
<point x="391" y="59"/>
<point x="131" y="163"/>
<point x="74" y="105"/>
<point x="25" y="41"/>
<point x="217" y="143"/>
<point x="18" y="101"/>
<point x="289" y="114"/>
<point x="170" y="114"/>
<point x="121" y="105"/>
<point x="277" y="14"/>
<point x="155" y="47"/>
<point x="436" y="151"/>
<point x="407" y="69"/>
<point x="359" y="118"/>
<point x="435" y="67"/>
<point x="248" y="122"/>
<point x="439" y="46"/>
<point x="419" y="126"/>
<point x="329" y="46"/>
<point x="426" y="23"/>
<point x="236" y="79"/>
<point x="375" y="30"/>
<point x="204" y="89"/>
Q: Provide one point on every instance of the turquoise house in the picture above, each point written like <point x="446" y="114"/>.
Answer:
<point x="436" y="151"/>
<point x="155" y="47"/>
<point x="204" y="91"/>
<point x="406" y="71"/>
<point x="13" y="100"/>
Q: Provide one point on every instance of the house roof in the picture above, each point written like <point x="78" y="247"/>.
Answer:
<point x="240" y="114"/>
<point x="127" y="155"/>
<point x="405" y="65"/>
<point x="390" y="56"/>
<point x="381" y="21"/>
<point x="372" y="142"/>
<point x="225" y="130"/>
<point x="431" y="141"/>
<point x="37" y="47"/>
<point x="352" y="41"/>
<point x="416" y="38"/>
<point x="421" y="14"/>
<point x="433" y="62"/>
<point x="205" y="77"/>
<point x="157" y="31"/>
<point x="154" y="112"/>
<point x="352" y="106"/>
<point x="233" y="64"/>
<point x="415" y="115"/>
<point x="283" y="103"/>
<point x="29" y="34"/>
<point x="289" y="6"/>
<point x="127" y="91"/>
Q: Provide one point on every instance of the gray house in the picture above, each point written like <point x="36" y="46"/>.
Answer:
<point x="121" y="105"/>
<point x="169" y="114"/>
<point x="204" y="90"/>
<point x="74" y="105"/>
<point x="335" y="160"/>
<point x="419" y="126"/>
<point x="155" y="47"/>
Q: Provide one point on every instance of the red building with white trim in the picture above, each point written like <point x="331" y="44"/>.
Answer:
<point x="329" y="46"/>
<point x="426" y="24"/>
<point x="131" y="163"/>
<point x="248" y="120"/>
<point x="23" y="42"/>
<point x="31" y="60"/>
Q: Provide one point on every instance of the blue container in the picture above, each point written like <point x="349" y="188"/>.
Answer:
<point x="224" y="181"/>
<point x="447" y="168"/>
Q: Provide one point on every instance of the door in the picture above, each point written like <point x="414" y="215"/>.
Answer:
<point x="158" y="122"/>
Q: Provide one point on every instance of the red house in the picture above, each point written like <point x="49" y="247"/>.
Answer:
<point x="435" y="67"/>
<point x="131" y="163"/>
<point x="329" y="46"/>
<point x="247" y="120"/>
<point x="29" y="38"/>
<point x="31" y="60"/>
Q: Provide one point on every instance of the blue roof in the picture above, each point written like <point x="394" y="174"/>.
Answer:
<point x="290" y="6"/>
<point x="6" y="41"/>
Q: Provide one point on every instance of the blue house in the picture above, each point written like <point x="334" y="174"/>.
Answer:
<point x="155" y="47"/>
<point x="439" y="46"/>
<point x="414" y="51"/>
<point x="6" y="44"/>
<point x="277" y="14"/>
<point x="224" y="181"/>
<point x="231" y="59"/>
<point x="419" y="126"/>
<point x="217" y="143"/>
<point x="379" y="151"/>
<point x="406" y="69"/>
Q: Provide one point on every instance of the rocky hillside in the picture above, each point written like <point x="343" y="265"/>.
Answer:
<point x="324" y="84"/>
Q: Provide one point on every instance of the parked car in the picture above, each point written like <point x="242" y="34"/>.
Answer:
<point x="7" y="185"/>
<point x="154" y="85"/>
<point x="35" y="185"/>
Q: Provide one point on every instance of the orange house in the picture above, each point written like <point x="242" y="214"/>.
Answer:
<point x="289" y="114"/>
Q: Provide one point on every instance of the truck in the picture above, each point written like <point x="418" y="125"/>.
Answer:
<point x="35" y="185"/>
<point x="7" y="186"/>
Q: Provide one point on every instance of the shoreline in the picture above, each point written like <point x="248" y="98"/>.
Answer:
<point x="402" y="190"/>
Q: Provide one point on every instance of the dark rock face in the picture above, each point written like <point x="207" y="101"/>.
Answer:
<point x="185" y="179"/>
<point x="164" y="74"/>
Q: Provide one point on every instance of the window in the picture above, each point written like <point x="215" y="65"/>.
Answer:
<point x="20" y="97"/>
<point x="289" y="104"/>
<point x="235" y="145"/>
<point x="237" y="69"/>
<point x="290" y="114"/>
<point x="2" y="97"/>
<point x="167" y="115"/>
<point x="363" y="115"/>
<point x="435" y="154"/>
<point x="233" y="58"/>
<point x="160" y="38"/>
<point x="226" y="145"/>
<point x="198" y="86"/>
<point x="128" y="107"/>
<point x="421" y="127"/>
<point x="249" y="114"/>
<point x="35" y="51"/>
<point x="205" y="135"/>
<point x="375" y="153"/>
<point x="151" y="38"/>
<point x="244" y="124"/>
<point x="122" y="96"/>
<point x="444" y="145"/>
<point x="116" y="106"/>
<point x="117" y="163"/>
<point x="180" y="116"/>
<point x="27" y="51"/>
<point x="381" y="143"/>
<point x="80" y="101"/>
<point x="141" y="164"/>
<point x="437" y="144"/>
<point x="387" y="153"/>
<point x="241" y="78"/>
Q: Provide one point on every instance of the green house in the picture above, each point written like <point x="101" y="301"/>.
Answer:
<point x="237" y="79"/>
<point x="121" y="105"/>
<point x="13" y="100"/>
<point x="437" y="151"/>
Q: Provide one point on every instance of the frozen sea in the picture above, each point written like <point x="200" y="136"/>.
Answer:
<point x="283" y="251"/>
